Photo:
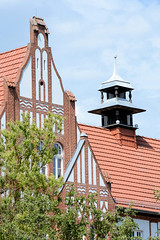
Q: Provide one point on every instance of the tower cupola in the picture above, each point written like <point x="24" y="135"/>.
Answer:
<point x="116" y="107"/>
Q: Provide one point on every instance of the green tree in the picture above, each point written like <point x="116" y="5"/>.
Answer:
<point x="82" y="218"/>
<point x="27" y="195"/>
<point x="73" y="220"/>
<point x="30" y="201"/>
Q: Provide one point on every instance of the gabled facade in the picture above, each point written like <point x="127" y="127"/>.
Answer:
<point x="30" y="82"/>
<point x="110" y="160"/>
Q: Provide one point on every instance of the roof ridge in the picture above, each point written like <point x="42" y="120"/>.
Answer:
<point x="13" y="50"/>
<point x="101" y="128"/>
<point x="155" y="139"/>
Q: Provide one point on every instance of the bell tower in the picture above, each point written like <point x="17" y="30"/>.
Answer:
<point x="116" y="107"/>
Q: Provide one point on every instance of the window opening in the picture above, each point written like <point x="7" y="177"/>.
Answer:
<point x="58" y="161"/>
<point x="110" y="95"/>
<point x="122" y="95"/>
<point x="137" y="233"/>
<point x="43" y="169"/>
<point x="44" y="65"/>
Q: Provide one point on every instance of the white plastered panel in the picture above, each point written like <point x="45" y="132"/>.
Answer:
<point x="62" y="132"/>
<point x="104" y="206"/>
<point x="38" y="71"/>
<point x="143" y="226"/>
<point x="101" y="204"/>
<point x="83" y="165"/>
<point x="78" y="134"/>
<point x="45" y="73"/>
<point x="42" y="92"/>
<point x="78" y="170"/>
<point x="101" y="182"/>
<point x="46" y="170"/>
<point x="57" y="93"/>
<point x="26" y="81"/>
<point x="94" y="173"/>
<point x="3" y="121"/>
<point x="89" y="167"/>
<point x="42" y="120"/>
<point x="153" y="229"/>
<point x="41" y="42"/>
<point x="37" y="120"/>
<point x="21" y="112"/>
<point x="31" y="117"/>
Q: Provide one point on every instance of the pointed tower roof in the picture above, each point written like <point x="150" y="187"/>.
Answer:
<point x="115" y="80"/>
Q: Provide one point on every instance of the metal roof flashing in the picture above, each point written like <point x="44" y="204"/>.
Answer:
<point x="72" y="161"/>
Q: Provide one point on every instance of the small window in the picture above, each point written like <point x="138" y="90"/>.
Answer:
<point x="44" y="170"/>
<point x="104" y="121"/>
<point x="137" y="233"/>
<point x="58" y="161"/>
<point x="110" y="95"/>
<point x="128" y="120"/>
<point x="122" y="95"/>
<point x="44" y="65"/>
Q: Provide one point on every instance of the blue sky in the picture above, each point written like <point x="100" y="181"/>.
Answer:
<point x="84" y="37"/>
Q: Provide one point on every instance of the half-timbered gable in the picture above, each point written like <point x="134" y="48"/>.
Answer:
<point x="84" y="172"/>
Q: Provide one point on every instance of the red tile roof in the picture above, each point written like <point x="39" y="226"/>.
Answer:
<point x="71" y="96"/>
<point x="10" y="62"/>
<point x="134" y="172"/>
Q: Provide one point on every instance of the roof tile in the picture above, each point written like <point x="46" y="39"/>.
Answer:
<point x="71" y="96"/>
<point x="10" y="62"/>
<point x="134" y="172"/>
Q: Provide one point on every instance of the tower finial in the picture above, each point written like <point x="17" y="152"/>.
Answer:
<point x="115" y="65"/>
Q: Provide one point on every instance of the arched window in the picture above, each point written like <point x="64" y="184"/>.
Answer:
<point x="58" y="161"/>
<point x="43" y="169"/>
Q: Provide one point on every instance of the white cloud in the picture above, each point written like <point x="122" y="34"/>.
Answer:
<point x="86" y="34"/>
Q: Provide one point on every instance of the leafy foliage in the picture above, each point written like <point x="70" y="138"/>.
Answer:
<point x="30" y="202"/>
<point x="27" y="194"/>
<point x="83" y="218"/>
<point x="73" y="221"/>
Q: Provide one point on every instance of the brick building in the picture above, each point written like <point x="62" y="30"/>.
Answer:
<point x="110" y="160"/>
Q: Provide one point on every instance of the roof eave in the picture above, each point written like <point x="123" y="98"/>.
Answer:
<point x="140" y="211"/>
<point x="110" y="85"/>
<point x="101" y="110"/>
